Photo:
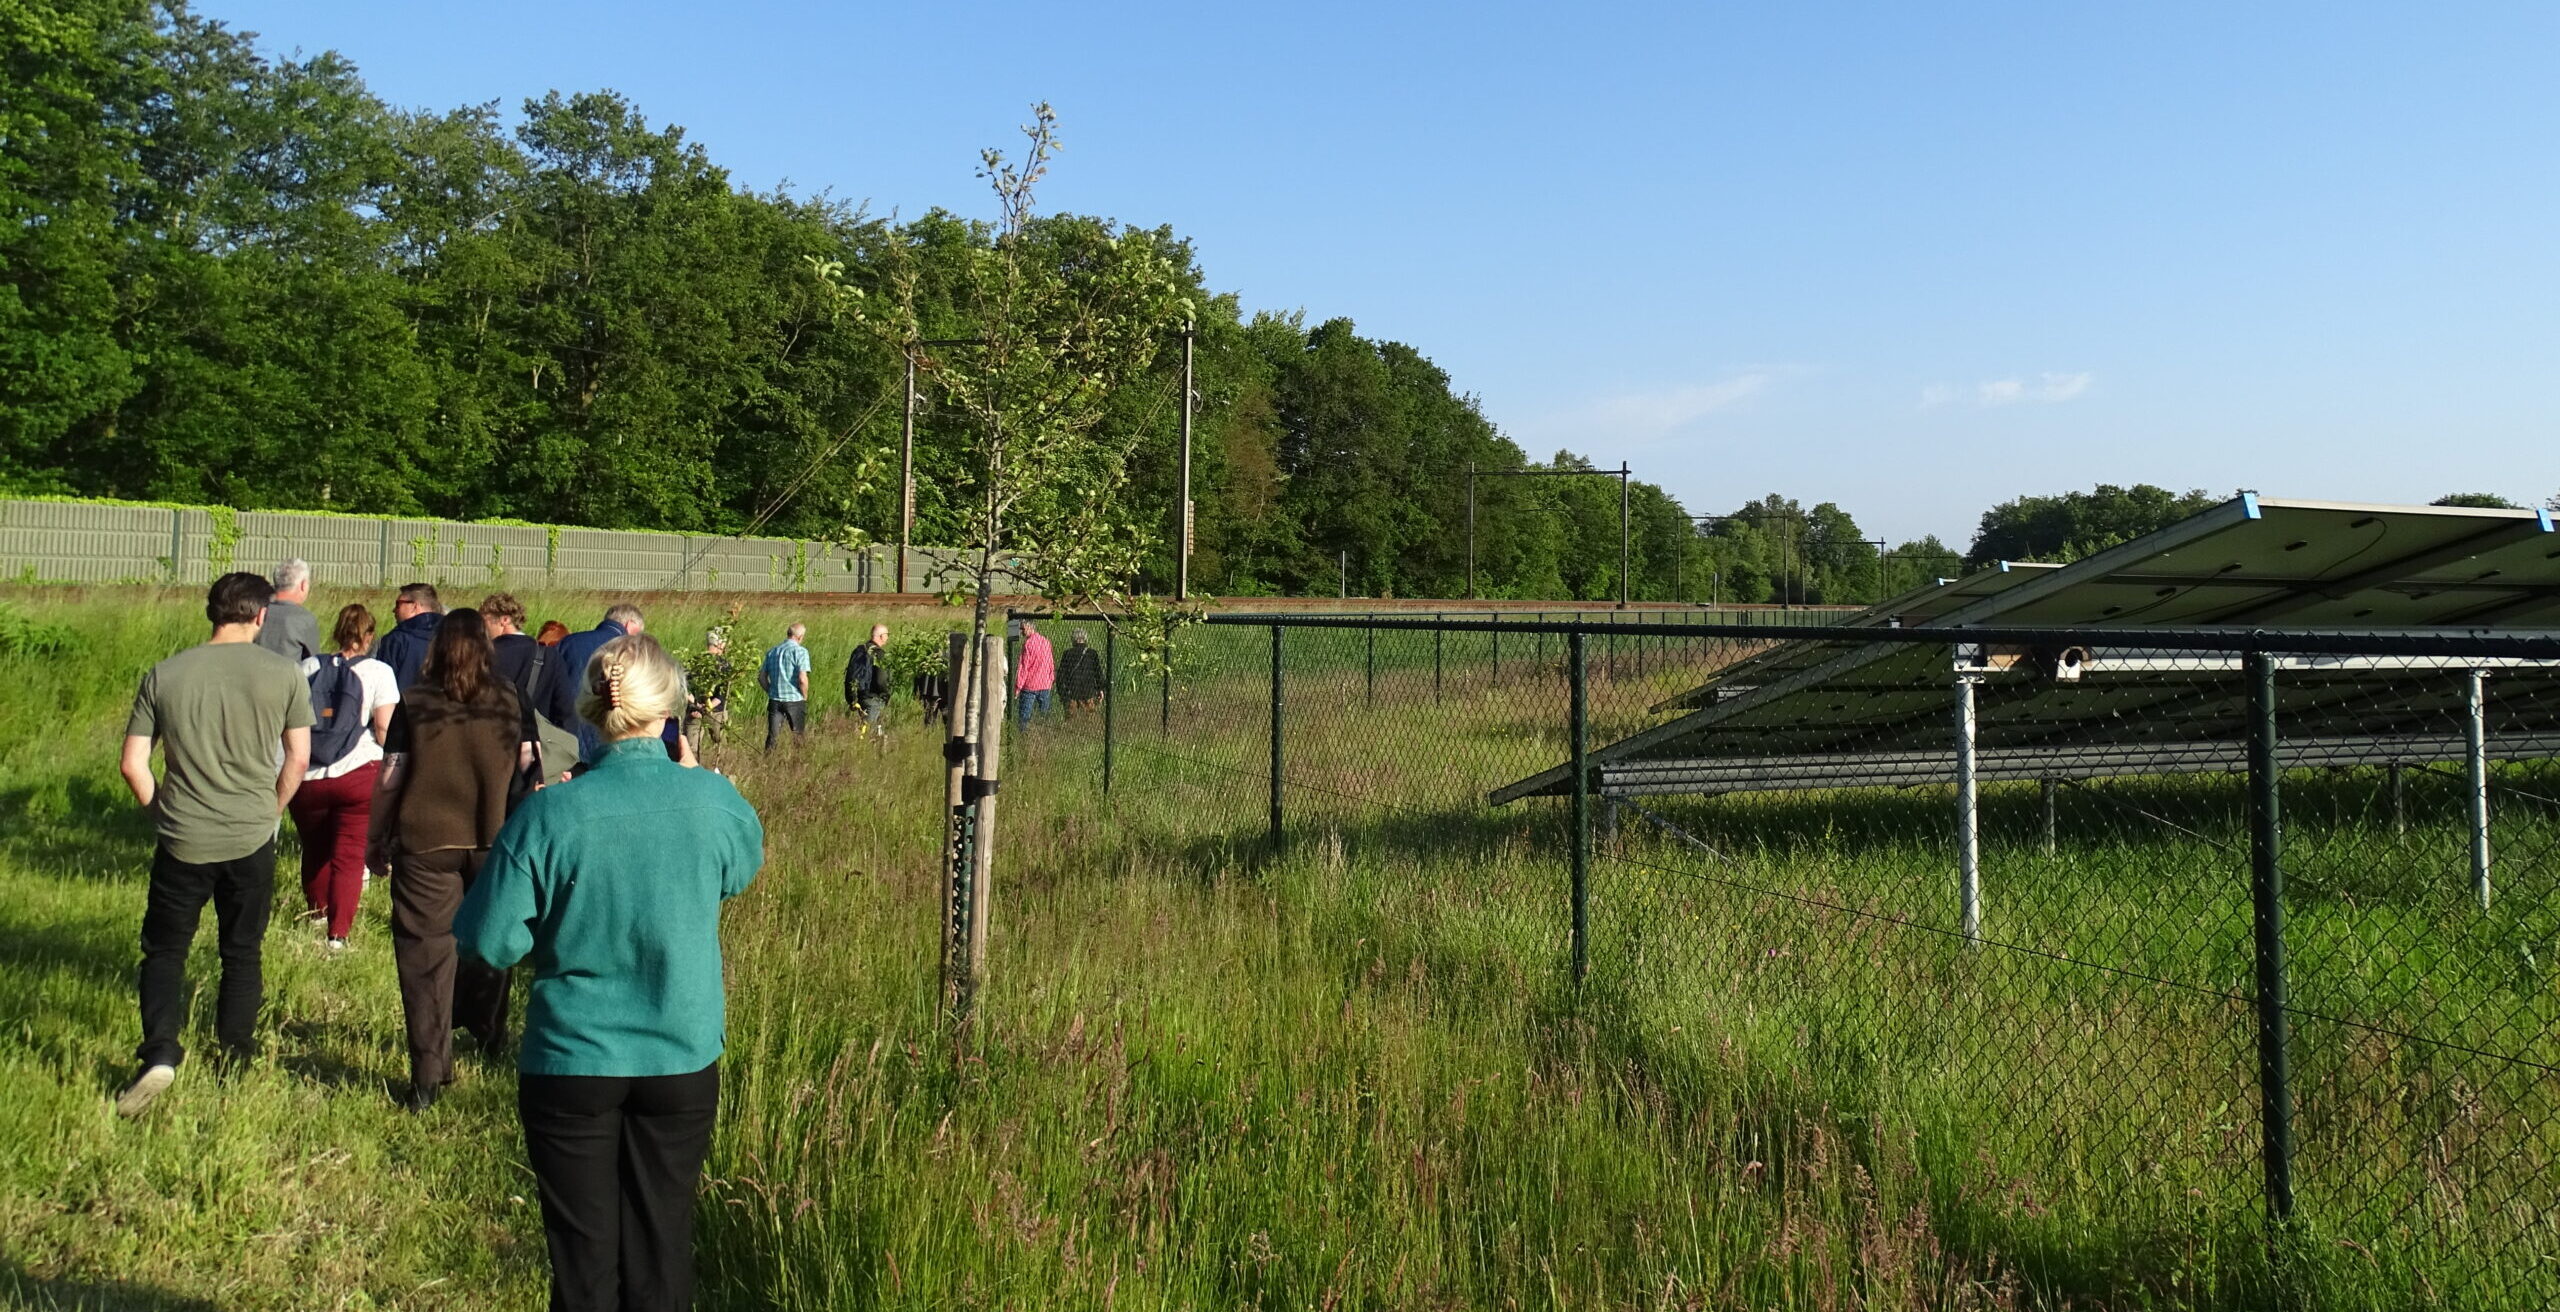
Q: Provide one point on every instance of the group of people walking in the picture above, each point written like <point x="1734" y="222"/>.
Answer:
<point x="1041" y="677"/>
<point x="1076" y="675"/>
<point x="784" y="679"/>
<point x="527" y="797"/>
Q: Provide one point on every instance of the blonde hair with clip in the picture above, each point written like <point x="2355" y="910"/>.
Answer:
<point x="629" y="682"/>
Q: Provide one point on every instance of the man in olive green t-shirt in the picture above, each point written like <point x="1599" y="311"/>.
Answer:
<point x="233" y="723"/>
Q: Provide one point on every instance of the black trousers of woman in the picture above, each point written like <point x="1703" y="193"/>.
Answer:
<point x="616" y="1162"/>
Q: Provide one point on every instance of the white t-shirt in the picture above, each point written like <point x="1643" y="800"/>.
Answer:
<point x="380" y="689"/>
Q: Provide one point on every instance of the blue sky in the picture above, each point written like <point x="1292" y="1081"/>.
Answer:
<point x="1915" y="259"/>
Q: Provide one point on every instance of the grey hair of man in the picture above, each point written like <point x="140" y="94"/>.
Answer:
<point x="1079" y="637"/>
<point x="797" y="631"/>
<point x="626" y="615"/>
<point x="293" y="578"/>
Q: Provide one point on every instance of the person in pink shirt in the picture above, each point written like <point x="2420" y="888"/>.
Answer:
<point x="1039" y="674"/>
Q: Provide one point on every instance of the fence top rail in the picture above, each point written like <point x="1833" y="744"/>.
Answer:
<point x="2342" y="642"/>
<point x="2448" y="643"/>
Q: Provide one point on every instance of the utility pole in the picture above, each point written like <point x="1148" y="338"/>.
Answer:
<point x="1182" y="559"/>
<point x="907" y="477"/>
<point x="907" y="453"/>
<point x="1625" y="540"/>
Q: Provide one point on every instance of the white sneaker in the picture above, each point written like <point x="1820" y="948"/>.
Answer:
<point x="336" y="946"/>
<point x="145" y="1089"/>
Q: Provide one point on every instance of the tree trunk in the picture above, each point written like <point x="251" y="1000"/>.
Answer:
<point x="991" y="672"/>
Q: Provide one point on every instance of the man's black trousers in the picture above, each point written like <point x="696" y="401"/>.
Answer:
<point x="778" y="715"/>
<point x="616" y="1162"/>
<point x="243" y="893"/>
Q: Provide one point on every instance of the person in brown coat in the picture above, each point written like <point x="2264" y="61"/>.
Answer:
<point x="459" y="738"/>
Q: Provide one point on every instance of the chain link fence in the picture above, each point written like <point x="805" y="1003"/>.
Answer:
<point x="2209" y="968"/>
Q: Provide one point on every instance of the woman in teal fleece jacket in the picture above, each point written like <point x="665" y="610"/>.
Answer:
<point x="612" y="884"/>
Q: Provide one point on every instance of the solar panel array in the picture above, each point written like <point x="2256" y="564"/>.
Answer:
<point x="1829" y="711"/>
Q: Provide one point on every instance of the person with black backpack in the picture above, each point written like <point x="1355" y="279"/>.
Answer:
<point x="352" y="696"/>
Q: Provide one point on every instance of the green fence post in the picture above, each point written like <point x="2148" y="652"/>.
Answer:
<point x="1275" y="738"/>
<point x="2266" y="896"/>
<point x="1373" y="662"/>
<point x="1581" y="736"/>
<point x="1110" y="697"/>
<point x="1164" y="712"/>
<point x="1497" y="648"/>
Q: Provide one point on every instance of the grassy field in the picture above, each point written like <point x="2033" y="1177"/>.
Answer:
<point x="1354" y="1074"/>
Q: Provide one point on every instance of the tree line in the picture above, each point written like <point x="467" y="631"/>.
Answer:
<point x="234" y="278"/>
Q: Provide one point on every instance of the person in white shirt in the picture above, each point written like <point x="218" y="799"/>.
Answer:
<point x="352" y="696"/>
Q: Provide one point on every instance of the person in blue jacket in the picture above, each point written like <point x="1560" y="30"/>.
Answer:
<point x="621" y="619"/>
<point x="415" y="615"/>
<point x="612" y="884"/>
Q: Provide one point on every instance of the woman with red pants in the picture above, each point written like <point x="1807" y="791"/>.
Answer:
<point x="352" y="697"/>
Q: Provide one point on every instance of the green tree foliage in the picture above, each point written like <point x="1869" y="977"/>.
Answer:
<point x="232" y="278"/>
<point x="2076" y="524"/>
<point x="1916" y="562"/>
<point x="1775" y="550"/>
<point x="238" y="279"/>
<point x="71" y="88"/>
<point x="2476" y="501"/>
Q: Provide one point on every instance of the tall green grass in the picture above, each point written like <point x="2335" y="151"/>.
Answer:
<point x="1351" y="1074"/>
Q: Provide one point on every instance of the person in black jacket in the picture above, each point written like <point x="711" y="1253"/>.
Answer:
<point x="415" y="616"/>
<point x="515" y="650"/>
<point x="866" y="685"/>
<point x="1080" y="676"/>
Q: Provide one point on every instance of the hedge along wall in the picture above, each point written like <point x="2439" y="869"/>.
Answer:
<point x="108" y="542"/>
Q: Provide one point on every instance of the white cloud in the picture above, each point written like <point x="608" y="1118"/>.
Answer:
<point x="2045" y="388"/>
<point x="1652" y="414"/>
<point x="1649" y="415"/>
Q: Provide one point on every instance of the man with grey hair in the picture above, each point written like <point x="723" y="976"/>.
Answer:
<point x="576" y="650"/>
<point x="786" y="687"/>
<point x="291" y="632"/>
